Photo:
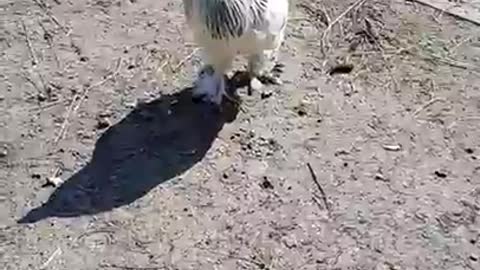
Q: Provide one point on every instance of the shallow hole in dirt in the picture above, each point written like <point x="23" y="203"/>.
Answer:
<point x="341" y="69"/>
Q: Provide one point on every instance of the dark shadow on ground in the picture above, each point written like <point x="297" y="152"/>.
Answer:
<point x="154" y="143"/>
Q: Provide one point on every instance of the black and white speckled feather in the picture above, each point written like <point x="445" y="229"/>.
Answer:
<point x="226" y="28"/>
<point x="226" y="19"/>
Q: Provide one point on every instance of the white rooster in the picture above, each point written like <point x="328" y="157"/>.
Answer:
<point x="227" y="28"/>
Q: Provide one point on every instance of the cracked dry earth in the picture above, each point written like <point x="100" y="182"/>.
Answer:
<point x="106" y="163"/>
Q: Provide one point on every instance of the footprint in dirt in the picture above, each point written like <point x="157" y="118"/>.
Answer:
<point x="154" y="143"/>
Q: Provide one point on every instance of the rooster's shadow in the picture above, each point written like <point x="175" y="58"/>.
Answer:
<point x="155" y="142"/>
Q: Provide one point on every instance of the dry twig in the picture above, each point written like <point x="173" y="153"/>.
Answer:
<point x="50" y="259"/>
<point x="30" y="80"/>
<point x="112" y="75"/>
<point x="49" y="38"/>
<point x="453" y="9"/>
<point x="50" y="15"/>
<point x="29" y="43"/>
<point x="124" y="267"/>
<point x="73" y="110"/>
<point x="428" y="104"/>
<point x="184" y="60"/>
<point x="322" y="192"/>
<point x="65" y="121"/>
<point x="236" y="257"/>
<point x="47" y="106"/>
<point x="459" y="44"/>
<point x="343" y="14"/>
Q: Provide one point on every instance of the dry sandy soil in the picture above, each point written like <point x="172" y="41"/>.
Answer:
<point x="384" y="107"/>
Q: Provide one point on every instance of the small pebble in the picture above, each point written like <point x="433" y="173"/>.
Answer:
<point x="440" y="174"/>
<point x="301" y="111"/>
<point x="393" y="148"/>
<point x="341" y="152"/>
<point x="380" y="177"/>
<point x="266" y="94"/>
<point x="266" y="184"/>
<point x="290" y="241"/>
<point x="3" y="152"/>
<point x="54" y="181"/>
<point x="41" y="97"/>
<point x="469" y="151"/>
<point x="103" y="123"/>
<point x="341" y="69"/>
<point x="131" y="105"/>
<point x="105" y="114"/>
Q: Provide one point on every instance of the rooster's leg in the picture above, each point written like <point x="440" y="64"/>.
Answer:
<point x="264" y="69"/>
<point x="211" y="84"/>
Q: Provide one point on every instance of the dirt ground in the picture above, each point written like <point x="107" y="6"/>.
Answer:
<point x="382" y="103"/>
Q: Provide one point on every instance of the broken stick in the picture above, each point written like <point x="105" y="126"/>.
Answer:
<point x="322" y="192"/>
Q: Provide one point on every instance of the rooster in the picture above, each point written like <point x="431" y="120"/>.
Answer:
<point x="227" y="28"/>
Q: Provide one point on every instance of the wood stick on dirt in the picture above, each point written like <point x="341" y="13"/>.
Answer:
<point x="233" y="256"/>
<point x="30" y="80"/>
<point x="65" y="121"/>
<point x="50" y="43"/>
<point x="322" y="192"/>
<point x="340" y="17"/>
<point x="29" y="43"/>
<point x="47" y="106"/>
<point x="453" y="49"/>
<point x="72" y="110"/>
<point x="50" y="15"/>
<point x="124" y="267"/>
<point x="454" y="9"/>
<point x="112" y="75"/>
<point x="428" y="104"/>
<point x="184" y="60"/>
<point x="50" y="259"/>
